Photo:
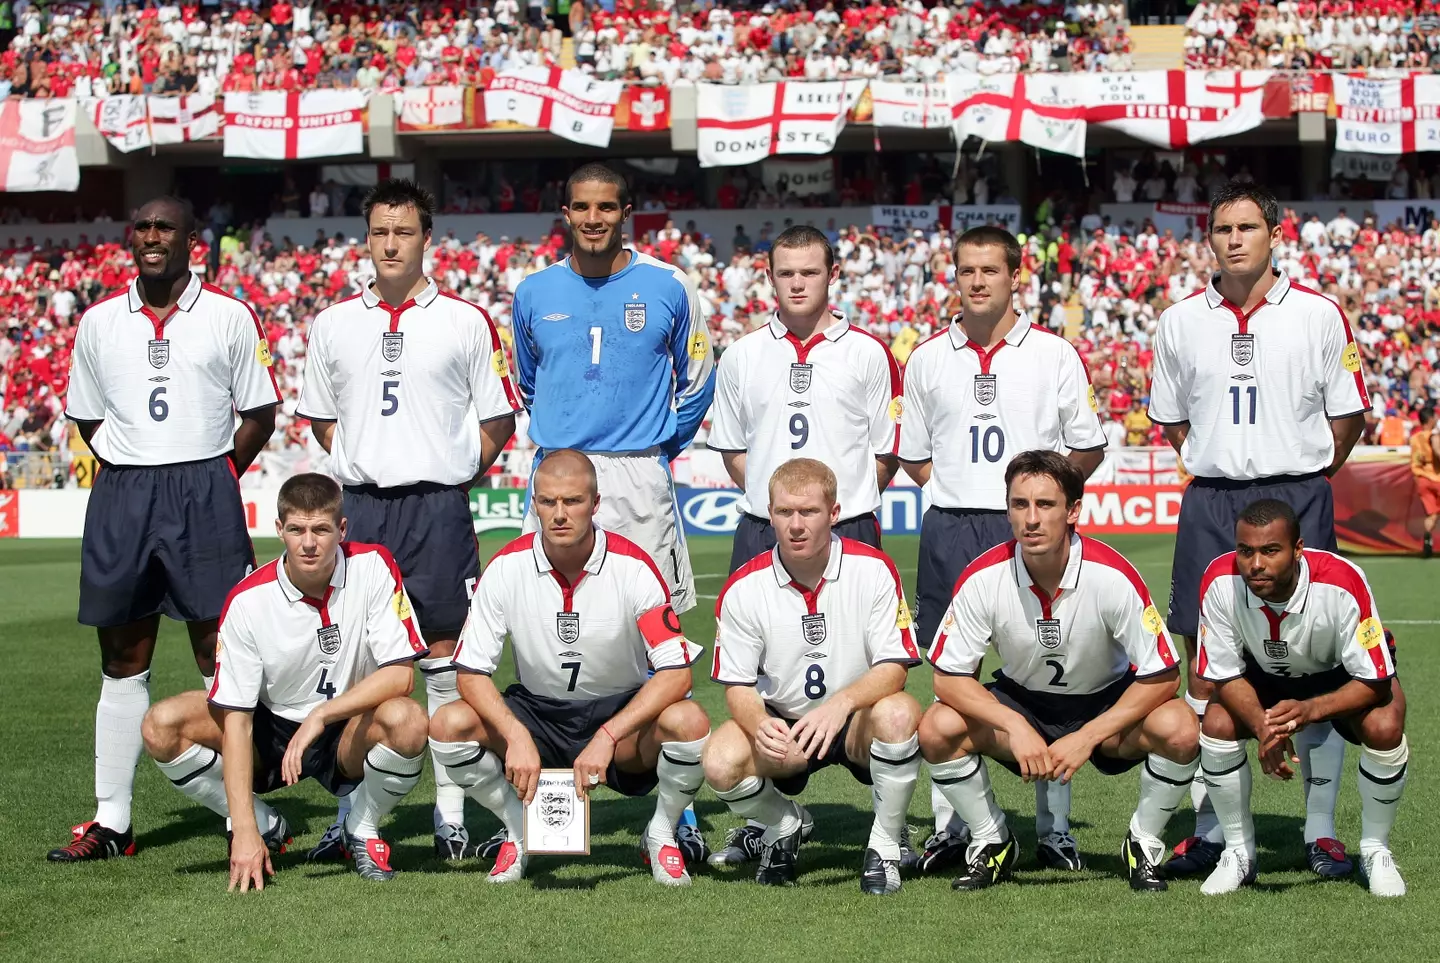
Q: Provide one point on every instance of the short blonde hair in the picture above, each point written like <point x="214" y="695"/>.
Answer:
<point x="797" y="473"/>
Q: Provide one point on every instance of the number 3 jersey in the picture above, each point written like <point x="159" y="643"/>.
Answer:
<point x="595" y="638"/>
<point x="799" y="647"/>
<point x="1330" y="621"/>
<point x="291" y="652"/>
<point x="1099" y="623"/>
<point x="405" y="386"/>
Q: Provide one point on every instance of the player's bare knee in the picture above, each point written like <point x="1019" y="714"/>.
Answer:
<point x="163" y="730"/>
<point x="1218" y="723"/>
<point x="1179" y="732"/>
<point x="403" y="724"/>
<point x="683" y="721"/>
<point x="726" y="757"/>
<point x="942" y="733"/>
<point x="894" y="718"/>
<point x="452" y="722"/>
<point x="1382" y="729"/>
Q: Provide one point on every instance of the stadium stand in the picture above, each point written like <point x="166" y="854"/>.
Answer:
<point x="1308" y="35"/>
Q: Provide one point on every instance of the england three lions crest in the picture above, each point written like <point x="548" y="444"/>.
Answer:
<point x="800" y="378"/>
<point x="391" y="344"/>
<point x="1242" y="348"/>
<point x="812" y="628"/>
<point x="635" y="315"/>
<point x="567" y="627"/>
<point x="159" y="352"/>
<point x="985" y="388"/>
<point x="556" y="809"/>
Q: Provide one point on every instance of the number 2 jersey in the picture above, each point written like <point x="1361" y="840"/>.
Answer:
<point x="1329" y="622"/>
<point x="290" y="652"/>
<point x="595" y="638"/>
<point x="1099" y="623"/>
<point x="798" y="647"/>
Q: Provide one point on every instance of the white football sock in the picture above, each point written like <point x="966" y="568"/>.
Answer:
<point x="388" y="777"/>
<point x="1052" y="807"/>
<point x="966" y="784"/>
<point x="1207" y="826"/>
<point x="894" y="770"/>
<point x="1322" y="759"/>
<point x="1163" y="783"/>
<point x="1382" y="782"/>
<point x="758" y="799"/>
<point x="940" y="806"/>
<point x="680" y="779"/>
<point x="1225" y="767"/>
<point x="440" y="691"/>
<point x="480" y="774"/>
<point x="118" y="743"/>
<point x="199" y="773"/>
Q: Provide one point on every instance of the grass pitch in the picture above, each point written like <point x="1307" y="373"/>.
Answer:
<point x="169" y="902"/>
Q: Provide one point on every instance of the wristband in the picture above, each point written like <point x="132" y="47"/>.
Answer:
<point x="613" y="740"/>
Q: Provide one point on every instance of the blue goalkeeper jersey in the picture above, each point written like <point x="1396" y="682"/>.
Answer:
<point x="615" y="364"/>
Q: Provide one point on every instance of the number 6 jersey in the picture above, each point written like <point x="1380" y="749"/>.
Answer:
<point x="595" y="638"/>
<point x="799" y="647"/>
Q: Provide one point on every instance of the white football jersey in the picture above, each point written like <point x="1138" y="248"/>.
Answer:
<point x="836" y="400"/>
<point x="969" y="411"/>
<point x="596" y="638"/>
<point x="1099" y="623"/>
<point x="1331" y="621"/>
<point x="289" y="652"/>
<point x="167" y="389"/>
<point x="1258" y="390"/>
<point x="799" y="647"/>
<point x="406" y="387"/>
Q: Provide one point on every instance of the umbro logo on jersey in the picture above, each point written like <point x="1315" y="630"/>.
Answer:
<point x="1242" y="377"/>
<point x="799" y="404"/>
<point x="159" y="378"/>
<point x="392" y="373"/>
<point x="815" y="655"/>
<point x="555" y="317"/>
<point x="986" y="416"/>
<point x="570" y="654"/>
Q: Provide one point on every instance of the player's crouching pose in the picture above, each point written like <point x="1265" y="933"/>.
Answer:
<point x="814" y="644"/>
<point x="1069" y="617"/>
<point x="585" y="610"/>
<point x="314" y="668"/>
<point x="1290" y="636"/>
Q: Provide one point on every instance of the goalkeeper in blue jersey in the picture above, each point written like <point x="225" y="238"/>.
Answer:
<point x="613" y="358"/>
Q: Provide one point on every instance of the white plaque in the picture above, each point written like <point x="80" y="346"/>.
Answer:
<point x="557" y="819"/>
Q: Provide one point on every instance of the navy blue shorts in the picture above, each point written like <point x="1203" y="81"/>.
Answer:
<point x="271" y="735"/>
<point x="562" y="728"/>
<point x="755" y="535"/>
<point x="1055" y="716"/>
<point x="794" y="784"/>
<point x="950" y="539"/>
<point x="431" y="532"/>
<point x="165" y="539"/>
<point x="1206" y="530"/>
<point x="1270" y="689"/>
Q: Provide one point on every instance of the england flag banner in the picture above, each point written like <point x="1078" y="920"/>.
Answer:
<point x="175" y="120"/>
<point x="430" y="107"/>
<point x="745" y="124"/>
<point x="1041" y="110"/>
<point x="277" y="125"/>
<point x="1387" y="116"/>
<point x="568" y="103"/>
<point x="922" y="106"/>
<point x="37" y="146"/>
<point x="1177" y="108"/>
<point x="122" y="120"/>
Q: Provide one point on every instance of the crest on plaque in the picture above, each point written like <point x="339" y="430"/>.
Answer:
<point x="556" y="809"/>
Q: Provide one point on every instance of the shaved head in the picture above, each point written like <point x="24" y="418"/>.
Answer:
<point x="568" y="463"/>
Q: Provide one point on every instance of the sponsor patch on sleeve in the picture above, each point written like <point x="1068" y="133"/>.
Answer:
<point x="262" y="353"/>
<point x="1369" y="633"/>
<point x="498" y="363"/>
<point x="897" y="408"/>
<point x="902" y="616"/>
<point x="1151" y="620"/>
<point x="401" y="605"/>
<point x="1350" y="358"/>
<point x="699" y="346"/>
<point x="1090" y="396"/>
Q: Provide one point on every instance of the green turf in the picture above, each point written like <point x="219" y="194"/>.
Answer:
<point x="169" y="902"/>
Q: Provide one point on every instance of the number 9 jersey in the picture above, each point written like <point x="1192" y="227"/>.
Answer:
<point x="798" y="647"/>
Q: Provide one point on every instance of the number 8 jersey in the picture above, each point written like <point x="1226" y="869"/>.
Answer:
<point x="799" y="647"/>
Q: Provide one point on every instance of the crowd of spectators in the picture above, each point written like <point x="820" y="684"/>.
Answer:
<point x="69" y="49"/>
<point x="1101" y="284"/>
<point x="1306" y="35"/>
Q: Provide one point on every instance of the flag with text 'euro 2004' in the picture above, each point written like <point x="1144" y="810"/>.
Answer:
<point x="1387" y="115"/>
<point x="568" y="103"/>
<point x="188" y="117"/>
<point x="741" y="125"/>
<point x="37" y="146"/>
<point x="1041" y="110"/>
<point x="280" y="125"/>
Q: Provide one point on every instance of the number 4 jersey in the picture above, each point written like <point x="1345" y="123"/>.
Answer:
<point x="595" y="638"/>
<point x="1099" y="623"/>
<point x="799" y="647"/>
<point x="280" y="647"/>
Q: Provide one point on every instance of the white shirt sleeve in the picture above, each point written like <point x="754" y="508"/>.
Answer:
<point x="1344" y="382"/>
<point x="914" y="423"/>
<point x="317" y="394"/>
<point x="1221" y="648"/>
<point x="1363" y="650"/>
<point x="491" y="393"/>
<point x="252" y="381"/>
<point x="1079" y="419"/>
<point x="1167" y="391"/>
<point x="964" y="635"/>
<point x="1136" y="625"/>
<point x="85" y="401"/>
<point x="739" y="644"/>
<point x="239" y="671"/>
<point x="389" y="620"/>
<point x="482" y="640"/>
<point x="727" y="420"/>
<point x="890" y="636"/>
<point x="882" y="386"/>
<point x="666" y="646"/>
